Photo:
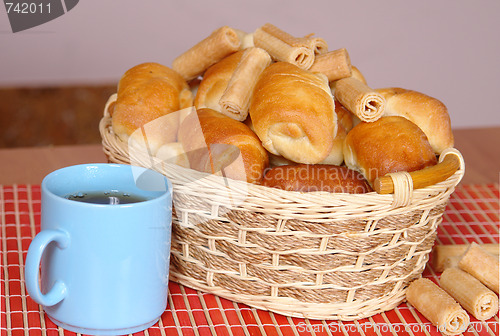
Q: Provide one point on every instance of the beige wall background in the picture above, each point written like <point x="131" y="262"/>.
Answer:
<point x="449" y="49"/>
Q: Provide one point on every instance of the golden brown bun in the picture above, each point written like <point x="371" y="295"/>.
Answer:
<point x="292" y="112"/>
<point x="344" y="125"/>
<point x="147" y="92"/>
<point x="215" y="81"/>
<point x="213" y="141"/>
<point x="336" y="156"/>
<point x="274" y="160"/>
<point x="426" y="112"/>
<point x="388" y="145"/>
<point x="319" y="177"/>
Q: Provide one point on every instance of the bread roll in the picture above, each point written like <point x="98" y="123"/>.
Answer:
<point x="426" y="112"/>
<point x="215" y="81"/>
<point x="173" y="153"/>
<point x="344" y="125"/>
<point x="215" y="143"/>
<point x="147" y="92"/>
<point x="388" y="145"/>
<point x="336" y="156"/>
<point x="293" y="113"/>
<point x="307" y="178"/>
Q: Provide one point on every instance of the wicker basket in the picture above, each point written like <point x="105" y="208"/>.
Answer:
<point x="312" y="255"/>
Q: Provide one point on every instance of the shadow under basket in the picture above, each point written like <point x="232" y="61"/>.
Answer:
<point x="310" y="255"/>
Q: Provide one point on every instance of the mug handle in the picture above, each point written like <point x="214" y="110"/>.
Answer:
<point x="33" y="260"/>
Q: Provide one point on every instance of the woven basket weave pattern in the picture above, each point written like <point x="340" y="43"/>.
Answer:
<point x="316" y="255"/>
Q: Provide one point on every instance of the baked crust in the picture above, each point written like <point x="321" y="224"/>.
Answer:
<point x="292" y="111"/>
<point x="146" y="93"/>
<point x="388" y="145"/>
<point x="215" y="143"/>
<point x="428" y="113"/>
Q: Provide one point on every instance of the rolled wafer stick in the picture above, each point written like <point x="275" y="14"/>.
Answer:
<point x="437" y="306"/>
<point x="334" y="64"/>
<point x="195" y="61"/>
<point x="280" y="50"/>
<point x="284" y="36"/>
<point x="245" y="38"/>
<point x="367" y="104"/>
<point x="475" y="297"/>
<point x="440" y="254"/>
<point x="316" y="44"/>
<point x="482" y="265"/>
<point x="235" y="100"/>
<point x="450" y="262"/>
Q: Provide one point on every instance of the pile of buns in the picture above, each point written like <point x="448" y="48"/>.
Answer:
<point x="270" y="108"/>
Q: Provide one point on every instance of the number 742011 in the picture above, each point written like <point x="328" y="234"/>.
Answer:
<point x="27" y="7"/>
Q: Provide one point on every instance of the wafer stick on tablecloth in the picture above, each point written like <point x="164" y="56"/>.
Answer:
<point x="450" y="262"/>
<point x="282" y="51"/>
<point x="482" y="265"/>
<point x="440" y="254"/>
<point x="195" y="61"/>
<point x="475" y="297"/>
<point x="367" y="104"/>
<point x="437" y="306"/>
<point x="334" y="64"/>
<point x="235" y="101"/>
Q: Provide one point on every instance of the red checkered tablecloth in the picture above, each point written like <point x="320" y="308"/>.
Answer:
<point x="472" y="215"/>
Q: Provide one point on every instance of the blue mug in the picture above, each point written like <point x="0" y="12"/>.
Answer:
<point x="104" y="267"/>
